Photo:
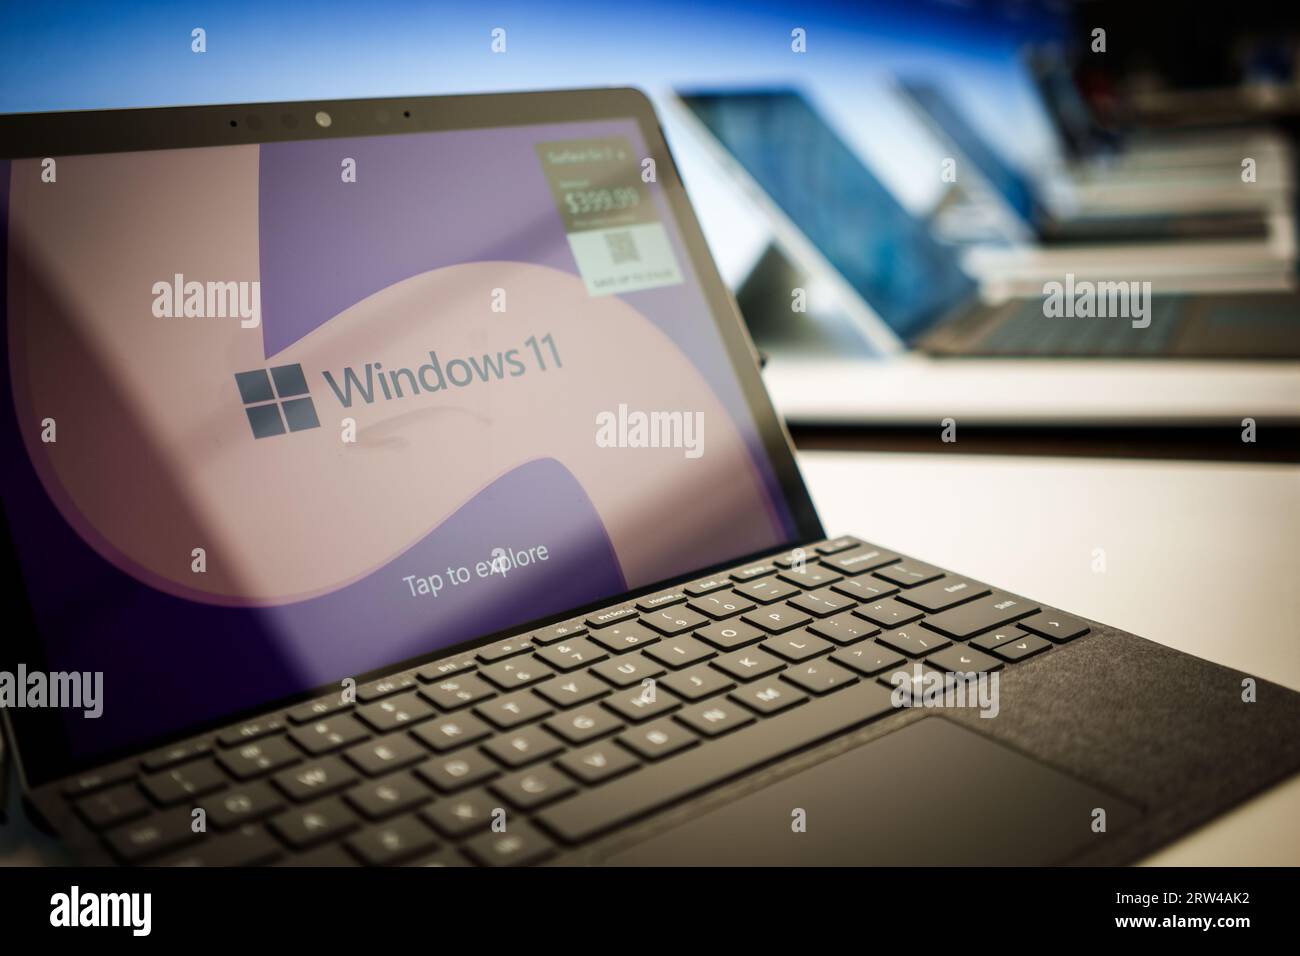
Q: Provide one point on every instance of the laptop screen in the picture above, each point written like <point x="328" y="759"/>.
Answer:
<point x="888" y="256"/>
<point x="282" y="414"/>
<point x="1011" y="185"/>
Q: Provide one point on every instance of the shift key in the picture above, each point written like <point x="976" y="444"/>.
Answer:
<point x="967" y="620"/>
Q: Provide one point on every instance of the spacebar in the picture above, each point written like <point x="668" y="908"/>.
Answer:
<point x="674" y="778"/>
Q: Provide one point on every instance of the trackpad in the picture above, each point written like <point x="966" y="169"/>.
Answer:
<point x="930" y="793"/>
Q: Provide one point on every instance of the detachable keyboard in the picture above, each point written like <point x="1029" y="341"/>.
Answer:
<point x="1023" y="330"/>
<point x="571" y="730"/>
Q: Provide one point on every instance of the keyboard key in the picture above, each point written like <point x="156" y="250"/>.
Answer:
<point x="811" y="577"/>
<point x="673" y="622"/>
<point x="258" y="757"/>
<point x="914" y="683"/>
<point x="316" y="709"/>
<point x="386" y="753"/>
<point x="866" y="589"/>
<point x="706" y="586"/>
<point x="888" y="613"/>
<point x="448" y="733"/>
<point x="392" y="713"/>
<point x="605" y="807"/>
<point x="583" y="724"/>
<point x="571" y="655"/>
<point x="731" y="635"/>
<point x="793" y="558"/>
<point x="768" y="696"/>
<point x="868" y="658"/>
<point x="749" y="664"/>
<point x="136" y="842"/>
<point x="715" y="718"/>
<point x="621" y="638"/>
<point x="315" y="823"/>
<point x="819" y="677"/>
<point x="753" y="572"/>
<point x="247" y="846"/>
<point x="943" y="594"/>
<point x="244" y="804"/>
<point x="697" y="683"/>
<point x="844" y="628"/>
<point x="680" y="652"/>
<point x="564" y="630"/>
<point x="976" y="617"/>
<point x="777" y="619"/>
<point x="456" y="771"/>
<point x="329" y="734"/>
<point x="185" y="782"/>
<point x="385" y="686"/>
<point x="598" y="763"/>
<point x="252" y="730"/>
<point x="331" y="854"/>
<point x="315" y="779"/>
<point x="611" y="616"/>
<point x="822" y="603"/>
<point x="914" y="641"/>
<point x="641" y="704"/>
<point x="719" y="607"/>
<point x="860" y="560"/>
<point x="444" y="857"/>
<point x="1027" y="646"/>
<point x="464" y="813"/>
<point x="628" y="670"/>
<point x="520" y="845"/>
<point x="516" y="709"/>
<point x="796" y="647"/>
<point x="110" y="807"/>
<point x="1055" y="626"/>
<point x="458" y="691"/>
<point x="963" y="660"/>
<point x="836" y="545"/>
<point x="658" y="740"/>
<point x="572" y="690"/>
<point x="503" y="649"/>
<point x="909" y="573"/>
<point x="396" y="793"/>
<point x="987" y="642"/>
<point x="659" y="601"/>
<point x="98" y="780"/>
<point x="436" y="671"/>
<point x="524" y="746"/>
<point x="177" y="753"/>
<point x="766" y="590"/>
<point x="392" y="842"/>
<point x="529" y="789"/>
<point x="520" y="672"/>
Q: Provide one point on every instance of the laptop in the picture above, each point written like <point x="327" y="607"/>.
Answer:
<point x="1036" y="221"/>
<point x="907" y="289"/>
<point x="392" y="482"/>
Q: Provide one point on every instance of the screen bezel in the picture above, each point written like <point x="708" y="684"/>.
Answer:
<point x="39" y="736"/>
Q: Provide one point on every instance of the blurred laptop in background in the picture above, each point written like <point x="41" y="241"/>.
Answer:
<point x="1030" y="215"/>
<point x="872" y="267"/>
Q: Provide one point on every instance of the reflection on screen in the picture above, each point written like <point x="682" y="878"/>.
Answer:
<point x="889" y="257"/>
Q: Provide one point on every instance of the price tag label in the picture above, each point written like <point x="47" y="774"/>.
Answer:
<point x="614" y="231"/>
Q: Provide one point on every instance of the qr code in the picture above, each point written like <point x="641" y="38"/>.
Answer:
<point x="622" y="247"/>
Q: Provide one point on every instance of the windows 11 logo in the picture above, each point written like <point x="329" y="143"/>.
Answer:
<point x="276" y="400"/>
